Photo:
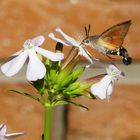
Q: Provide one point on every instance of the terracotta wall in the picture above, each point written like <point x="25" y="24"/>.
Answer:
<point x="20" y="20"/>
<point x="118" y="119"/>
<point x="19" y="113"/>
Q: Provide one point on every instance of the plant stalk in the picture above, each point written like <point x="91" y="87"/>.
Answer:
<point x="47" y="122"/>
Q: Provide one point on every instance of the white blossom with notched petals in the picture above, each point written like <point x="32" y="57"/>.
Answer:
<point x="9" y="136"/>
<point x="69" y="41"/>
<point x="35" y="69"/>
<point x="103" y="89"/>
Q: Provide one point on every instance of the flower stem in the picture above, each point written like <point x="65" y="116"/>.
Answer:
<point x="47" y="123"/>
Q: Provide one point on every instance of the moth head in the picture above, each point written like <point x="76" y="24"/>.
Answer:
<point x="86" y="40"/>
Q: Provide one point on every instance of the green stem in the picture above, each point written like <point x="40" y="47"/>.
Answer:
<point x="47" y="123"/>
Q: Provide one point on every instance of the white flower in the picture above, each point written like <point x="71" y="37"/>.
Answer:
<point x="35" y="69"/>
<point x="69" y="41"/>
<point x="103" y="89"/>
<point x="4" y="136"/>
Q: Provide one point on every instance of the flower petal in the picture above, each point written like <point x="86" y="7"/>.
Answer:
<point x="50" y="55"/>
<point x="93" y="61"/>
<point x="70" y="40"/>
<point x="13" y="135"/>
<point x="113" y="68"/>
<point x="109" y="90"/>
<point x="85" y="53"/>
<point x="3" y="130"/>
<point x="14" y="55"/>
<point x="13" y="66"/>
<point x="35" y="69"/>
<point x="102" y="89"/>
<point x="52" y="36"/>
<point x="1" y="125"/>
<point x="114" y="72"/>
<point x="17" y="53"/>
<point x="38" y="41"/>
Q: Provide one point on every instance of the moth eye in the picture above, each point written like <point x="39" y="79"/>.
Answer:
<point x="86" y="41"/>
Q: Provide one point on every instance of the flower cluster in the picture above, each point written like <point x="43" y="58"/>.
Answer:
<point x="107" y="82"/>
<point x="36" y="69"/>
<point x="69" y="41"/>
<point x="56" y="77"/>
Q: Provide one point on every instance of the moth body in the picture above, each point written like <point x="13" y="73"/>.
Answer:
<point x="110" y="41"/>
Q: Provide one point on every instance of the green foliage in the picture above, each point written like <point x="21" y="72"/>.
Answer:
<point x="25" y="94"/>
<point x="60" y="83"/>
<point x="39" y="85"/>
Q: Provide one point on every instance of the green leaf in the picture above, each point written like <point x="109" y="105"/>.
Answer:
<point x="26" y="94"/>
<point x="76" y="104"/>
<point x="67" y="70"/>
<point x="58" y="103"/>
<point x="85" y="86"/>
<point x="39" y="85"/>
<point x="62" y="75"/>
<point x="53" y="75"/>
<point x="72" y="77"/>
<point x="88" y="94"/>
<point x="76" y="91"/>
<point x="66" y="81"/>
<point x="73" y="86"/>
<point x="65" y="102"/>
<point x="77" y="73"/>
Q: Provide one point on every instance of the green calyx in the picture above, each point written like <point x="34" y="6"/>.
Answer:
<point x="60" y="83"/>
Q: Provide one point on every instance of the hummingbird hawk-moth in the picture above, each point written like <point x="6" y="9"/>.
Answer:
<point x="110" y="41"/>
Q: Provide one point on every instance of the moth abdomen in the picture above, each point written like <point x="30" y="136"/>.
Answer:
<point x="127" y="60"/>
<point x="122" y="52"/>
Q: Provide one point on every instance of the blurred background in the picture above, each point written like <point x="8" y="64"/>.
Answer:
<point x="118" y="119"/>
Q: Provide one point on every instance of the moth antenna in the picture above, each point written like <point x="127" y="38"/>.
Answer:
<point x="86" y="31"/>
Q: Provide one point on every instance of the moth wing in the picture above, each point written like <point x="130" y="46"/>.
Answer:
<point x="116" y="34"/>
